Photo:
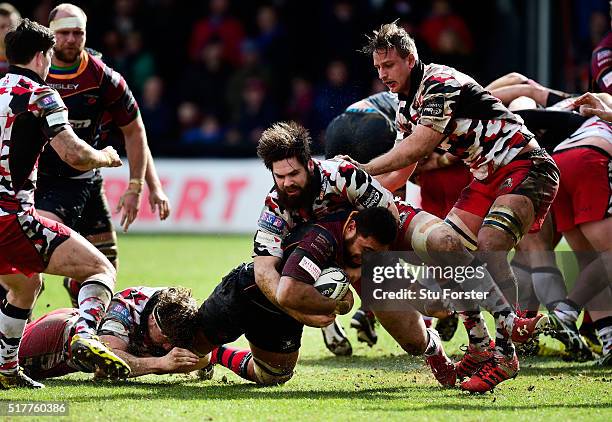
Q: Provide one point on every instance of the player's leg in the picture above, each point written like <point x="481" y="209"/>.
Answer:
<point x="408" y="330"/>
<point x="15" y="311"/>
<point x="45" y="340"/>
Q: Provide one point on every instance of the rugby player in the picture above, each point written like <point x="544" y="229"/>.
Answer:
<point x="9" y="18"/>
<point x="34" y="115"/>
<point x="515" y="180"/>
<point x="238" y="307"/>
<point x="90" y="89"/>
<point x="150" y="328"/>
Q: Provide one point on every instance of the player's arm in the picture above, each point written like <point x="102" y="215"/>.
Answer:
<point x="136" y="149"/>
<point x="80" y="155"/>
<point x="175" y="361"/>
<point x="414" y="147"/>
<point x="158" y="200"/>
<point x="396" y="179"/>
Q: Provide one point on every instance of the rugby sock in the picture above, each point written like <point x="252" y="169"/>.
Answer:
<point x="567" y="311"/>
<point x="12" y="323"/>
<point x="504" y="322"/>
<point x="234" y="359"/>
<point x="604" y="331"/>
<point x="527" y="299"/>
<point x="434" y="344"/>
<point x="549" y="286"/>
<point x="94" y="298"/>
<point x="478" y="335"/>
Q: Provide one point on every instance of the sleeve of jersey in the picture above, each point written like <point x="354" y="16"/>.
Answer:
<point x="310" y="257"/>
<point x="440" y="93"/>
<point x="118" y="98"/>
<point x="117" y="321"/>
<point x="271" y="229"/>
<point x="601" y="68"/>
<point x="50" y="108"/>
<point x="361" y="189"/>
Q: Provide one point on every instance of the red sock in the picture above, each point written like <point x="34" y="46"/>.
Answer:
<point x="234" y="359"/>
<point x="586" y="319"/>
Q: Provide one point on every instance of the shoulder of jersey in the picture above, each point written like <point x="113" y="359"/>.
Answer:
<point x="93" y="53"/>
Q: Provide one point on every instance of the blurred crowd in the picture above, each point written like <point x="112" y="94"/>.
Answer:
<point x="210" y="75"/>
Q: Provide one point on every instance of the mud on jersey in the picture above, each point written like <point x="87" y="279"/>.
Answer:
<point x="127" y="317"/>
<point x="89" y="92"/>
<point x="31" y="114"/>
<point x="341" y="187"/>
<point x="477" y="128"/>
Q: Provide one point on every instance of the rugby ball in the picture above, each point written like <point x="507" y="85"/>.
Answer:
<point x="332" y="283"/>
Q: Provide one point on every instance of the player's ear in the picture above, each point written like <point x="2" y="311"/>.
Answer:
<point x="310" y="166"/>
<point x="350" y="228"/>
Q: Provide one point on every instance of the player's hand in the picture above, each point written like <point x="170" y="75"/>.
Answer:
<point x="344" y="305"/>
<point x="158" y="200"/>
<point x="350" y="160"/>
<point x="317" y="321"/>
<point x="112" y="157"/>
<point x="179" y="360"/>
<point x="591" y="105"/>
<point x="128" y="206"/>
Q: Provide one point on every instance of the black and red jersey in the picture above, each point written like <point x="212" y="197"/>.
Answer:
<point x="89" y="89"/>
<point x="601" y="66"/>
<point x="31" y="114"/>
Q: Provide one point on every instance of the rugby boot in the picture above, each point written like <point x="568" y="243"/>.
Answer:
<point x="207" y="372"/>
<point x="587" y="331"/>
<point x="447" y="327"/>
<point x="567" y="333"/>
<point x="18" y="379"/>
<point x="90" y="354"/>
<point x="364" y="322"/>
<point x="524" y="329"/>
<point x="473" y="360"/>
<point x="493" y="372"/>
<point x="72" y="287"/>
<point x="441" y="366"/>
<point x="336" y="340"/>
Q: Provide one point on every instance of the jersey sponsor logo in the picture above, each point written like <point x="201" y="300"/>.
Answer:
<point x="507" y="184"/>
<point x="271" y="223"/>
<point x="49" y="102"/>
<point x="120" y="313"/>
<point x="65" y="87"/>
<point x="266" y="238"/>
<point x="59" y="118"/>
<point x="310" y="267"/>
<point x="433" y="107"/>
<point x="607" y="79"/>
<point x="114" y="326"/>
<point x="80" y="124"/>
<point x="371" y="197"/>
<point x="603" y="54"/>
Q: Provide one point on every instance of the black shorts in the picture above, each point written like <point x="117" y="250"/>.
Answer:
<point x="80" y="203"/>
<point x="238" y="307"/>
<point x="361" y="135"/>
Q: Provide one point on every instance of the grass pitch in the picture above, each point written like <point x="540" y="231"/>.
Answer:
<point x="379" y="383"/>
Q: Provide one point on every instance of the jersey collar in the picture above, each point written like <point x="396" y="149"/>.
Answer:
<point x="416" y="76"/>
<point x="18" y="70"/>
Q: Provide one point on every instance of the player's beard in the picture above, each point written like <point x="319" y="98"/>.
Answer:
<point x="347" y="258"/>
<point x="303" y="200"/>
<point x="67" y="57"/>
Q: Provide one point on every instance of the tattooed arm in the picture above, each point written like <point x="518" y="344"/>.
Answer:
<point x="81" y="155"/>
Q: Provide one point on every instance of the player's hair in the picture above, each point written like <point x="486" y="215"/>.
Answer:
<point x="66" y="6"/>
<point x="390" y="35"/>
<point x="22" y="43"/>
<point x="377" y="222"/>
<point x="284" y="140"/>
<point x="176" y="312"/>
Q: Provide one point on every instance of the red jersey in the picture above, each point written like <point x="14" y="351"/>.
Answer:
<point x="601" y="66"/>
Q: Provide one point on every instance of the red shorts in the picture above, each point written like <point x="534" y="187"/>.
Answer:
<point x="533" y="174"/>
<point x="45" y="345"/>
<point x="585" y="190"/>
<point x="27" y="242"/>
<point x="441" y="188"/>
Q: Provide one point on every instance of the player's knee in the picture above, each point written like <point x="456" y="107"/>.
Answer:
<point x="444" y="239"/>
<point x="505" y="226"/>
<point x="266" y="374"/>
